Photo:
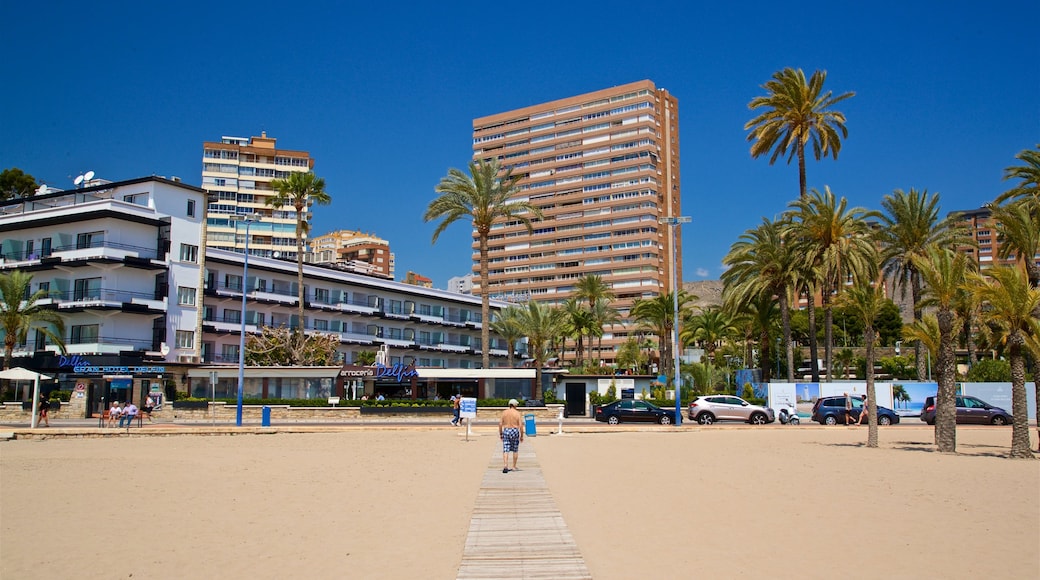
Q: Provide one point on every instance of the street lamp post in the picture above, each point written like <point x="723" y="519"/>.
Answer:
<point x="248" y="219"/>
<point x="674" y="222"/>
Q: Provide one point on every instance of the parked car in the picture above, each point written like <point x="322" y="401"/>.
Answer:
<point x="707" y="410"/>
<point x="831" y="411"/>
<point x="970" y="410"/>
<point x="630" y="410"/>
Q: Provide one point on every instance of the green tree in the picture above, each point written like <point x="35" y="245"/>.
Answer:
<point x="541" y="323"/>
<point x="629" y="355"/>
<point x="299" y="190"/>
<point x="845" y="359"/>
<point x="943" y="272"/>
<point x="762" y="263"/>
<point x="990" y="370"/>
<point x="657" y="315"/>
<point x="836" y="240"/>
<point x="507" y="325"/>
<point x="1010" y="310"/>
<point x="603" y="314"/>
<point x="16" y="183"/>
<point x="866" y="300"/>
<point x="1028" y="176"/>
<point x="482" y="197"/>
<point x="709" y="328"/>
<point x="910" y="224"/>
<point x="365" y="358"/>
<point x="796" y="112"/>
<point x="889" y="324"/>
<point x="21" y="311"/>
<point x="1018" y="231"/>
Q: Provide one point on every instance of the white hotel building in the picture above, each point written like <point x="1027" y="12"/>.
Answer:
<point x="121" y="263"/>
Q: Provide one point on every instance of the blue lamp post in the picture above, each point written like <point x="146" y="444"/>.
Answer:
<point x="674" y="222"/>
<point x="249" y="219"/>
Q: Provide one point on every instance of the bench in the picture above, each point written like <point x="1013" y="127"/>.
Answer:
<point x="103" y="420"/>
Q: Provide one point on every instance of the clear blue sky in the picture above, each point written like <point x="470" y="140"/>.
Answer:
<point x="383" y="96"/>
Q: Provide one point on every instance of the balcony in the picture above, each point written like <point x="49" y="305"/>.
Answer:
<point x="108" y="252"/>
<point x="106" y="299"/>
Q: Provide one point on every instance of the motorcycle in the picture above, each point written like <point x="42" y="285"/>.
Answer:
<point x="788" y="416"/>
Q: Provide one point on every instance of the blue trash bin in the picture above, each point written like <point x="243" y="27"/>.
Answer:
<point x="265" y="416"/>
<point x="529" y="428"/>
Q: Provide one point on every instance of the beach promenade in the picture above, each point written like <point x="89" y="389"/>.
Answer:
<point x="392" y="501"/>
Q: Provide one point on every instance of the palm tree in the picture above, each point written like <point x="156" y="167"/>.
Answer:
<point x="1010" y="310"/>
<point x="579" y="322"/>
<point x="899" y="395"/>
<point x="603" y="314"/>
<point x="1018" y="230"/>
<point x="20" y="312"/>
<point x="763" y="262"/>
<point x="866" y="300"/>
<point x="837" y="240"/>
<point x="657" y="315"/>
<point x="507" y="325"/>
<point x="796" y="112"/>
<point x="483" y="196"/>
<point x="299" y="190"/>
<point x="943" y="272"/>
<point x="910" y="225"/>
<point x="710" y="328"/>
<point x="540" y="324"/>
<point x="1028" y="176"/>
<point x="845" y="358"/>
<point x="592" y="288"/>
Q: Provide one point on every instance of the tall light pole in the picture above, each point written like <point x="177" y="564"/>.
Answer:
<point x="674" y="222"/>
<point x="248" y="219"/>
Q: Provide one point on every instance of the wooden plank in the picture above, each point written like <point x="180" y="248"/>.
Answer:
<point x="516" y="530"/>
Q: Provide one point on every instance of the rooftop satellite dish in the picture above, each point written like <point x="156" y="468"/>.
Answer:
<point x="78" y="180"/>
<point x="41" y="190"/>
<point x="88" y="176"/>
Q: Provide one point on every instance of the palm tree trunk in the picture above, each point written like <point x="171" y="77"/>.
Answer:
<point x="485" y="305"/>
<point x="945" y="409"/>
<point x="919" y="354"/>
<point x="785" y="320"/>
<point x="813" y="348"/>
<point x="801" y="169"/>
<point x="871" y="410"/>
<point x="969" y="323"/>
<point x="766" y="361"/>
<point x="1020" y="419"/>
<point x="828" y="332"/>
<point x="297" y="352"/>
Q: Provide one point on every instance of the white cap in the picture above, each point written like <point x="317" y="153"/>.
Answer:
<point x="513" y="403"/>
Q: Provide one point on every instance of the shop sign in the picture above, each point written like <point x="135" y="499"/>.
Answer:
<point x="82" y="366"/>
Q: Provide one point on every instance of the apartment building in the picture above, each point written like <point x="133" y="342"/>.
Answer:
<point x="982" y="226"/>
<point x="461" y="284"/>
<point x="237" y="172"/>
<point x="120" y="263"/>
<point x="353" y="251"/>
<point x="603" y="167"/>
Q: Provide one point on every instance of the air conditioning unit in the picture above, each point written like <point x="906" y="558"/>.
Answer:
<point x="186" y="358"/>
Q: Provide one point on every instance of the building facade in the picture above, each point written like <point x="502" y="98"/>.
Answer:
<point x="120" y="262"/>
<point x="983" y="230"/>
<point x="353" y="251"/>
<point x="237" y="172"/>
<point x="603" y="168"/>
<point x="461" y="284"/>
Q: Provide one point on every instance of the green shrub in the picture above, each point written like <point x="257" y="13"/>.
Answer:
<point x="990" y="370"/>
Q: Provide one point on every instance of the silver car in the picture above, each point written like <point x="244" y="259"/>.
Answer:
<point x="707" y="410"/>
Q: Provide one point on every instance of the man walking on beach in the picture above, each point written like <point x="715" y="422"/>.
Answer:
<point x="511" y="435"/>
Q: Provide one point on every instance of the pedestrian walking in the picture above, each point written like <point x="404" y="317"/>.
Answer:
<point x="511" y="434"/>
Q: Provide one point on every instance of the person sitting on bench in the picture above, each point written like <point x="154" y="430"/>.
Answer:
<point x="129" y="414"/>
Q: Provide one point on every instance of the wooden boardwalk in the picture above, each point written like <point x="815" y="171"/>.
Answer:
<point x="516" y="530"/>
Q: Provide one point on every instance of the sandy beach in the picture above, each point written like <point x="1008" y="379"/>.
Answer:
<point x="396" y="503"/>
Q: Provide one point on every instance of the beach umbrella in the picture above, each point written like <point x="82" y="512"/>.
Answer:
<point x="21" y="374"/>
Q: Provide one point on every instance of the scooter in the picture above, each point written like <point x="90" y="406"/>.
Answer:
<point x="788" y="416"/>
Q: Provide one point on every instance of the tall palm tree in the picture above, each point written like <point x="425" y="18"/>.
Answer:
<point x="1028" y="175"/>
<point x="483" y="196"/>
<point x="837" y="240"/>
<point x="709" y="328"/>
<point x="763" y="262"/>
<point x="943" y="271"/>
<point x="796" y="112"/>
<point x="1018" y="230"/>
<point x="657" y="315"/>
<point x="910" y="225"/>
<point x="540" y="323"/>
<point x="591" y="288"/>
<point x="507" y="325"/>
<point x="925" y="331"/>
<point x="603" y="314"/>
<point x="579" y="323"/>
<point x="20" y="311"/>
<point x="1010" y="310"/>
<point x="844" y="359"/>
<point x="299" y="190"/>
<point x="865" y="300"/>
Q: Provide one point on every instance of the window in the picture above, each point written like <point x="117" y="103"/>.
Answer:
<point x="87" y="289"/>
<point x="229" y="352"/>
<point x="191" y="208"/>
<point x="45" y="247"/>
<point x="185" y="339"/>
<point x="189" y="253"/>
<point x="185" y="296"/>
<point x="321" y="325"/>
<point x="45" y="286"/>
<point x="233" y="281"/>
<point x="90" y="240"/>
<point x="321" y="295"/>
<point x="84" y="333"/>
<point x="30" y="249"/>
<point x="233" y="316"/>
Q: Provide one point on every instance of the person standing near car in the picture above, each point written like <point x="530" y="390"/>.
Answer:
<point x="511" y="434"/>
<point x="848" y="410"/>
<point x="863" y="412"/>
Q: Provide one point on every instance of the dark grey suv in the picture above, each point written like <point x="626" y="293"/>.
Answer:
<point x="970" y="410"/>
<point x="831" y="411"/>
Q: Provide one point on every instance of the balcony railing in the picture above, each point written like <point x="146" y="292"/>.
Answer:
<point x="108" y="250"/>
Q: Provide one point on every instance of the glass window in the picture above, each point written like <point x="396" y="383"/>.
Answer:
<point x="185" y="296"/>
<point x="87" y="289"/>
<point x="185" y="339"/>
<point x="90" y="240"/>
<point x="84" y="333"/>
<point x="189" y="253"/>
<point x="191" y="208"/>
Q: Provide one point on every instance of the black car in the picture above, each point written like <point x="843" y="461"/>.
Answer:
<point x="970" y="410"/>
<point x="831" y="411"/>
<point x="630" y="411"/>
